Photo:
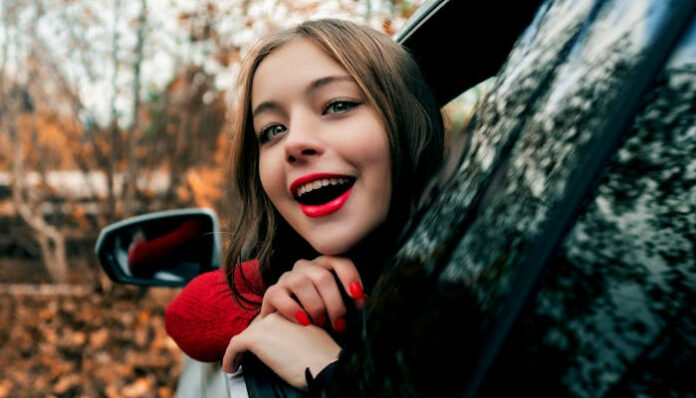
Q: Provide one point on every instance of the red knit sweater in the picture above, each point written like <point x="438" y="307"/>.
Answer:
<point x="146" y="257"/>
<point x="204" y="316"/>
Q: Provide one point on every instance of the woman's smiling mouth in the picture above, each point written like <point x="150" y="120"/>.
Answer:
<point x="322" y="194"/>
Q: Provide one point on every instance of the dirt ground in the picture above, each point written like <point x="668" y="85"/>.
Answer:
<point x="88" y="338"/>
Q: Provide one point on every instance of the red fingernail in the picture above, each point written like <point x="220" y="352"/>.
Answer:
<point x="340" y="325"/>
<point x="321" y="320"/>
<point x="356" y="291"/>
<point x="302" y="318"/>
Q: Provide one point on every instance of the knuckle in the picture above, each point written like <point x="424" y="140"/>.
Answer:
<point x="283" y="277"/>
<point x="347" y="266"/>
<point x="273" y="293"/>
<point x="324" y="279"/>
<point x="300" y="264"/>
<point x="271" y="290"/>
<point x="296" y="281"/>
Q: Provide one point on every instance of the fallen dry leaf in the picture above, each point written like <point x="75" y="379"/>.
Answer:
<point x="78" y="338"/>
<point x="5" y="388"/>
<point x="165" y="392"/>
<point x="66" y="383"/>
<point x="99" y="338"/>
<point x="138" y="389"/>
<point x="107" y="345"/>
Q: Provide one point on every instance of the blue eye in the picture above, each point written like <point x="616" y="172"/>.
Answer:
<point x="340" y="106"/>
<point x="268" y="133"/>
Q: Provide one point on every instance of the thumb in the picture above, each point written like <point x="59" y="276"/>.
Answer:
<point x="233" y="354"/>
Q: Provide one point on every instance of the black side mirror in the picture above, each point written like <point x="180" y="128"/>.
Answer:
<point x="166" y="248"/>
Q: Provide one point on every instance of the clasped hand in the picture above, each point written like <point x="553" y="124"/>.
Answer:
<point x="287" y="335"/>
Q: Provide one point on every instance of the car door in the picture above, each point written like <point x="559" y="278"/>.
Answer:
<point x="555" y="252"/>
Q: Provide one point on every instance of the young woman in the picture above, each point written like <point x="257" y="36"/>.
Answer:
<point x="336" y="138"/>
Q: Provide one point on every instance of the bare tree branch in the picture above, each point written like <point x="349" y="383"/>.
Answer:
<point x="130" y="178"/>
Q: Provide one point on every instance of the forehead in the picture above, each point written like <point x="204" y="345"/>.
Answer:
<point x="292" y="67"/>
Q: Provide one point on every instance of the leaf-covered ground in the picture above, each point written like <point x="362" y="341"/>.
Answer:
<point x="75" y="341"/>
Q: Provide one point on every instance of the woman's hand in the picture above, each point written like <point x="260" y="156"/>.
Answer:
<point x="309" y="292"/>
<point x="285" y="347"/>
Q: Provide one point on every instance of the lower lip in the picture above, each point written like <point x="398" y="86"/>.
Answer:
<point x="335" y="205"/>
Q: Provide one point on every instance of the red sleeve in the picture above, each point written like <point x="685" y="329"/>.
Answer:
<point x="204" y="316"/>
<point x="143" y="254"/>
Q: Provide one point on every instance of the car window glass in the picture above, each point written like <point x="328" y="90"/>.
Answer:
<point x="552" y="98"/>
<point x="527" y="145"/>
<point x="617" y="315"/>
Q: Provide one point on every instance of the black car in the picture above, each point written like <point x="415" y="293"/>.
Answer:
<point x="555" y="254"/>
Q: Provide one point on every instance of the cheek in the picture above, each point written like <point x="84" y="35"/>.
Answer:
<point x="383" y="160"/>
<point x="378" y="164"/>
<point x="268" y="175"/>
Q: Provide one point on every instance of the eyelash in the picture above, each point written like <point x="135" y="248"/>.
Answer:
<point x="268" y="133"/>
<point x="351" y="105"/>
<point x="265" y="134"/>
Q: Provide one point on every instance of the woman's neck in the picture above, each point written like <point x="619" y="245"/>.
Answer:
<point x="371" y="254"/>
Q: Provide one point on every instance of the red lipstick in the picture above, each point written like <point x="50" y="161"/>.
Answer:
<point x="309" y="178"/>
<point x="333" y="206"/>
<point x="324" y="209"/>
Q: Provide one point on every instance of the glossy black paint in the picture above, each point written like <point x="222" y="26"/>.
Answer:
<point x="615" y="313"/>
<point x="536" y="266"/>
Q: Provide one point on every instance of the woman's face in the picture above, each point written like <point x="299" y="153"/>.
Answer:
<point x="324" y="158"/>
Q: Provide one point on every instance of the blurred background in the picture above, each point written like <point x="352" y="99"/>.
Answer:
<point x="109" y="109"/>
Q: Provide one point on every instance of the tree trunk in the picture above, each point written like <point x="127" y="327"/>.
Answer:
<point x="130" y="178"/>
<point x="50" y="239"/>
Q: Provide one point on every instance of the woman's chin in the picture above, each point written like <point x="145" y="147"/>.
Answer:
<point x="331" y="248"/>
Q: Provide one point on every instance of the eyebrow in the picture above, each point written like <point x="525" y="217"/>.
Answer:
<point x="324" y="81"/>
<point x="314" y="86"/>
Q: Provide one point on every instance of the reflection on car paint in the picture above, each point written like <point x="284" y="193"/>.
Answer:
<point x="618" y="315"/>
<point x="562" y="120"/>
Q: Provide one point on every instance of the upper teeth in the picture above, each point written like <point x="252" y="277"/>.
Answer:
<point x="310" y="186"/>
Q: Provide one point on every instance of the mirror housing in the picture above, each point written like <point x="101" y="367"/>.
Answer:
<point x="166" y="248"/>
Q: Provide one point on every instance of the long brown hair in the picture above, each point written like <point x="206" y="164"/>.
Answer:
<point x="392" y="84"/>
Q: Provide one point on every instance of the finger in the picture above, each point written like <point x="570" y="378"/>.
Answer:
<point x="233" y="354"/>
<point x="348" y="275"/>
<point x="301" y="284"/>
<point x="289" y="349"/>
<point x="278" y="298"/>
<point x="327" y="286"/>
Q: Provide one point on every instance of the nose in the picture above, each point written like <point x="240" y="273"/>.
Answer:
<point x="302" y="142"/>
